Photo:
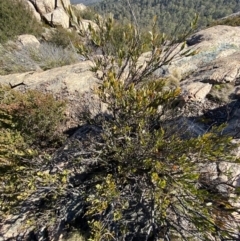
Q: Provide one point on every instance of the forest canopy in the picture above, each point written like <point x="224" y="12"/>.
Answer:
<point x="169" y="12"/>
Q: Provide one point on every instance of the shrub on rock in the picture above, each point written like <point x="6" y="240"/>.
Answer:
<point x="145" y="167"/>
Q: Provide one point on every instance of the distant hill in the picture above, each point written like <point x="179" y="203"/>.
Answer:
<point x="85" y="2"/>
<point x="170" y="13"/>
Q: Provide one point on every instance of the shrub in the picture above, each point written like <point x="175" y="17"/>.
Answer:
<point x="16" y="19"/>
<point x="221" y="92"/>
<point x="64" y="38"/>
<point x="148" y="183"/>
<point x="29" y="128"/>
<point x="88" y="13"/>
<point x="231" y="21"/>
<point x="145" y="182"/>
<point x="35" y="115"/>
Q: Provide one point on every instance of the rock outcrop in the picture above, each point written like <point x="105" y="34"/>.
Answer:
<point x="27" y="39"/>
<point x="57" y="13"/>
<point x="216" y="61"/>
<point x="34" y="11"/>
<point x="58" y="17"/>
<point x="70" y="79"/>
<point x="51" y="11"/>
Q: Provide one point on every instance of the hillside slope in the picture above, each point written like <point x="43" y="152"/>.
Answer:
<point x="170" y="13"/>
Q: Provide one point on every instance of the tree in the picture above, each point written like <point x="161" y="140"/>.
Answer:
<point x="146" y="175"/>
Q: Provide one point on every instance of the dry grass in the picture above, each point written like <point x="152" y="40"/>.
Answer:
<point x="15" y="59"/>
<point x="49" y="56"/>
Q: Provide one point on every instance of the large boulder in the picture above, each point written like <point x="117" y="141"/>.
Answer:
<point x="72" y="79"/>
<point x="43" y="6"/>
<point x="52" y="11"/>
<point x="216" y="61"/>
<point x="33" y="10"/>
<point x="58" y="17"/>
<point x="47" y="6"/>
<point x="27" y="39"/>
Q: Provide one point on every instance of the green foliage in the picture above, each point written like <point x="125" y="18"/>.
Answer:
<point x="146" y="182"/>
<point x="35" y="115"/>
<point x="29" y="126"/>
<point x="123" y="50"/>
<point x="145" y="163"/>
<point x="121" y="35"/>
<point x="16" y="19"/>
<point x="138" y="174"/>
